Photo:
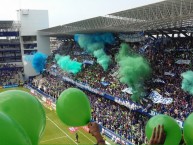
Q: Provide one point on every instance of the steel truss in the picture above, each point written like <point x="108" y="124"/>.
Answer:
<point x="168" y="14"/>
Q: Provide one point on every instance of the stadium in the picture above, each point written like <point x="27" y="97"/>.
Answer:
<point x="133" y="65"/>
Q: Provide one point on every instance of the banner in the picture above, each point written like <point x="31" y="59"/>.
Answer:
<point x="169" y="74"/>
<point x="83" y="86"/>
<point x="142" y="49"/>
<point x="127" y="103"/>
<point x="178" y="50"/>
<point x="11" y="33"/>
<point x="88" y="62"/>
<point x="105" y="83"/>
<point x="10" y="86"/>
<point x="137" y="37"/>
<point x="182" y="61"/>
<point x="128" y="90"/>
<point x="158" y="81"/>
<point x="157" y="98"/>
<point x="189" y="30"/>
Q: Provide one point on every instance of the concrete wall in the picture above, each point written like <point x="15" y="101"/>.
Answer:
<point x="32" y="21"/>
<point x="43" y="44"/>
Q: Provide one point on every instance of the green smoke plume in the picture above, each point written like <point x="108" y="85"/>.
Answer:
<point x="103" y="59"/>
<point x="133" y="70"/>
<point x="68" y="65"/>
<point x="187" y="82"/>
<point x="123" y="52"/>
<point x="95" y="44"/>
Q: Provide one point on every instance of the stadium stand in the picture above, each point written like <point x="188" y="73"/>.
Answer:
<point x="11" y="69"/>
<point x="169" y="56"/>
<point x="159" y="32"/>
<point x="168" y="84"/>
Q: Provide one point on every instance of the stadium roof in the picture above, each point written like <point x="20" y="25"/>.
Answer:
<point x="168" y="14"/>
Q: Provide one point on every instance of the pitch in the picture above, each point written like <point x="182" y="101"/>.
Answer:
<point x="58" y="133"/>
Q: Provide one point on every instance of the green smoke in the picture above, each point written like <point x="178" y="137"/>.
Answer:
<point x="187" y="82"/>
<point x="123" y="52"/>
<point x="95" y="44"/>
<point x="91" y="48"/>
<point x="68" y="65"/>
<point x="133" y="70"/>
<point x="103" y="59"/>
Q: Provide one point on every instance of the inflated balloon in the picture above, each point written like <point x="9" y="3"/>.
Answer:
<point x="73" y="107"/>
<point x="11" y="133"/>
<point x="26" y="110"/>
<point x="171" y="128"/>
<point x="188" y="130"/>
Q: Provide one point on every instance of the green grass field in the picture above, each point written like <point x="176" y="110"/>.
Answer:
<point x="58" y="133"/>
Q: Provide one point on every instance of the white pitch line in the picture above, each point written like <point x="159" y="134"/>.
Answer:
<point x="52" y="139"/>
<point x="61" y="129"/>
<point x="86" y="137"/>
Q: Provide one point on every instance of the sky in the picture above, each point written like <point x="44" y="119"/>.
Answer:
<point x="67" y="11"/>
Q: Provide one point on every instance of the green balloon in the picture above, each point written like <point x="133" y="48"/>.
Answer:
<point x="188" y="130"/>
<point x="26" y="110"/>
<point x="171" y="128"/>
<point x="73" y="107"/>
<point x="11" y="133"/>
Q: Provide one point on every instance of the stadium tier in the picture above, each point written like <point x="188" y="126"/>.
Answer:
<point x="132" y="64"/>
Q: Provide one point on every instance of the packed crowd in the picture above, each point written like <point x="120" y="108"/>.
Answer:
<point x="87" y="76"/>
<point x="168" y="59"/>
<point x="11" y="74"/>
<point x="119" y="119"/>
<point x="165" y="57"/>
<point x="54" y="89"/>
<point x="126" y="123"/>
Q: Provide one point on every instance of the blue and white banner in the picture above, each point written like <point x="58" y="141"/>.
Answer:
<point x="128" y="90"/>
<point x="88" y="62"/>
<point x="159" y="81"/>
<point x="10" y="86"/>
<point x="169" y="74"/>
<point x="105" y="83"/>
<point x="157" y="98"/>
<point x="142" y="49"/>
<point x="83" y="86"/>
<point x="137" y="37"/>
<point x="128" y="104"/>
<point x="182" y="61"/>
